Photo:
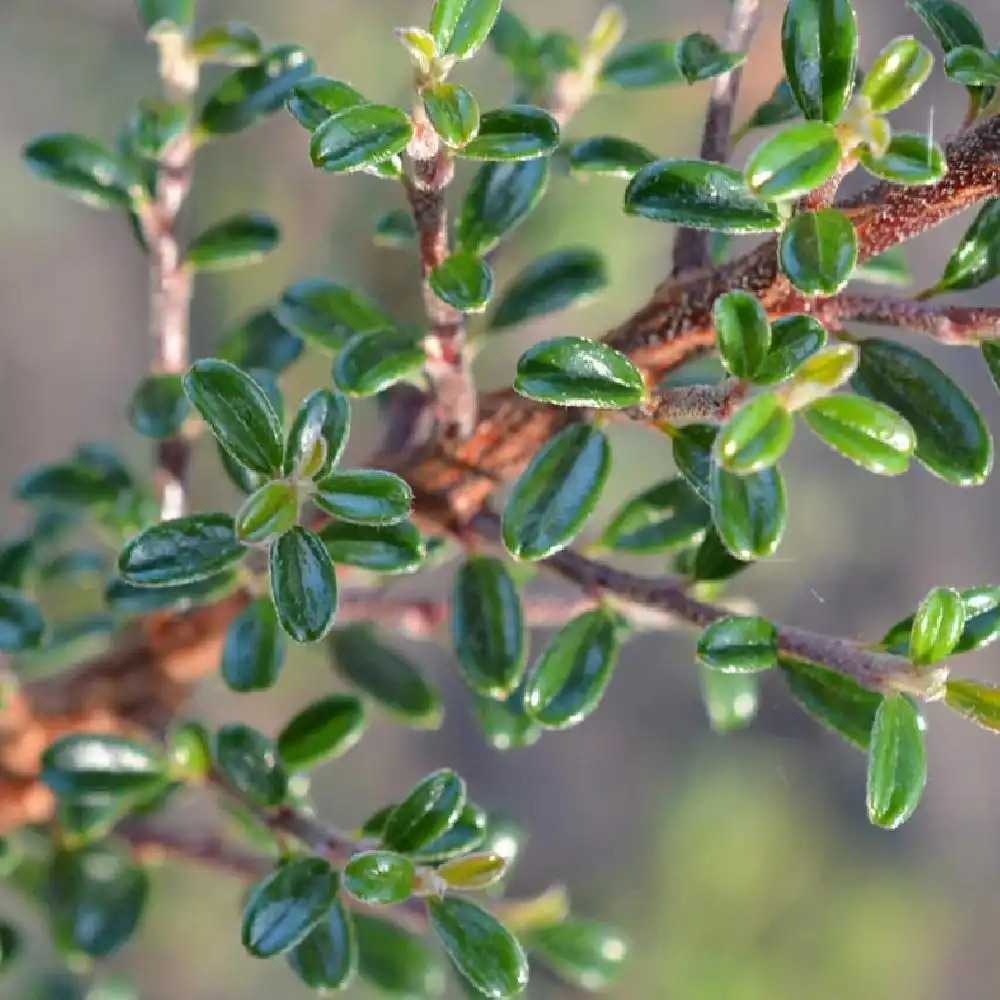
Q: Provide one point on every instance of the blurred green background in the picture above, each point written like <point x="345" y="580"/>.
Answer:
<point x="742" y="867"/>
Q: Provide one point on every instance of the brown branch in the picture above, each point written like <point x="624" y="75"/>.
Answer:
<point x="704" y="404"/>
<point x="691" y="246"/>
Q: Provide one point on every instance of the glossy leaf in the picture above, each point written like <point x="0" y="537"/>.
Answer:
<point x="897" y="74"/>
<point x="583" y="952"/>
<point x="756" y="436"/>
<point x="372" y="362"/>
<point x="453" y="112"/>
<point x="570" y="677"/>
<point x="731" y="700"/>
<point x="979" y="703"/>
<point x="479" y="946"/>
<point x="693" y="457"/>
<point x="820" y="375"/>
<point x="71" y="484"/>
<point x="328" y="314"/>
<point x="362" y="135"/>
<point x="664" y="517"/>
<point x="327" y="957"/>
<point x="249" y="762"/>
<point x="700" y="57"/>
<point x="379" y="877"/>
<point x="474" y="871"/>
<point x="21" y="624"/>
<point x="396" y="961"/>
<point x="897" y="766"/>
<point x="463" y="281"/>
<point x="951" y="24"/>
<point x="181" y="551"/>
<point x="556" y="493"/>
<point x="487" y="627"/>
<point x="254" y="651"/>
<point x="607" y="155"/>
<point x="82" y="167"/>
<point x="937" y="626"/>
<point x="795" y="161"/>
<point x="819" y="44"/>
<point x="303" y="584"/>
<point x="460" y="27"/>
<point x="323" y="416"/>
<point x="366" y="496"/>
<point x="394" y="548"/>
<point x="430" y="808"/>
<point x="779" y="108"/>
<point x="699" y="195"/>
<point x="285" y="906"/>
<point x="319" y="97"/>
<point x="233" y="44"/>
<point x="574" y="371"/>
<point x="976" y="259"/>
<point x="267" y="513"/>
<point x="395" y="228"/>
<point x="744" y="333"/>
<point x="261" y="341"/>
<point x="325" y="729"/>
<point x="644" y="64"/>
<point x="241" y="239"/>
<point x="739" y="645"/>
<point x="818" y="251"/>
<point x="506" y="725"/>
<point x="794" y="339"/>
<point x="912" y="158"/>
<point x="128" y="598"/>
<point x="981" y="606"/>
<point x="952" y="440"/>
<point x="749" y="511"/>
<point x="515" y="132"/>
<point x="466" y="834"/>
<point x="158" y="406"/>
<point x="498" y="200"/>
<point x="973" y="66"/>
<point x="868" y="433"/>
<point x="91" y="764"/>
<point x="385" y="676"/>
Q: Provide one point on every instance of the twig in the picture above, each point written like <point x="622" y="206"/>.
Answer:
<point x="691" y="246"/>
<point x="705" y="404"/>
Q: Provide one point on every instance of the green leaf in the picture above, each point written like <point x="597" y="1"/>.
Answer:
<point x="460" y="27"/>
<point x="559" y="280"/>
<point x="385" y="676"/>
<point x="795" y="161"/>
<point x="975" y="67"/>
<point x="161" y="15"/>
<point x="360" y="136"/>
<point x="268" y="512"/>
<point x="487" y="627"/>
<point x="731" y="700"/>
<point x="664" y="517"/>
<point x="238" y="240"/>
<point x="897" y="74"/>
<point x="820" y="375"/>
<point x="372" y="362"/>
<point x="367" y="496"/>
<point x="238" y="412"/>
<point x="699" y="195"/>
<point x="17" y="560"/>
<point x="181" y="551"/>
<point x="156" y="125"/>
<point x="254" y="651"/>
<point x="556" y="493"/>
<point x="575" y="371"/>
<point x="693" y="457"/>
<point x="739" y="645"/>
<point x="756" y="436"/>
<point x="474" y="871"/>
<point x="749" y="511"/>
<point x="979" y="703"/>
<point x="779" y="108"/>
<point x="249" y="761"/>
<point x="793" y="339"/>
<point x="233" y="44"/>
<point x="819" y="44"/>
<point x="466" y="834"/>
<point x="303" y="584"/>
<point x="583" y="952"/>
<point x="744" y="333"/>
<point x="463" y="281"/>
<point x="937" y="626"/>
<point x="158" y="406"/>
<point x="818" y="251"/>
<point x="83" y="167"/>
<point x="190" y="749"/>
<point x="128" y="598"/>
<point x="328" y="314"/>
<point x="89" y="765"/>
<point x="10" y="946"/>
<point x="395" y="961"/>
<point x="327" y="957"/>
<point x="430" y="808"/>
<point x="912" y="158"/>
<point x="608" y="155"/>
<point x="498" y="200"/>
<point x="868" y="433"/>
<point x="261" y="341"/>
<point x="568" y="681"/>
<point x="976" y="259"/>
<point x="515" y="132"/>
<point x="21" y="624"/>
<point x="453" y="112"/>
<point x="323" y="416"/>
<point x="379" y="877"/>
<point x="890" y="267"/>
<point x="71" y="483"/>
<point x="248" y="94"/>
<point x="395" y="228"/>
<point x="394" y="548"/>
<point x="319" y="97"/>
<point x="952" y="440"/>
<point x="700" y="57"/>
<point x="838" y="702"/>
<point x="514" y="44"/>
<point x="285" y="906"/>
<point x="897" y="767"/>
<point x="323" y="730"/>
<point x="645" y="64"/>
<point x="479" y="946"/>
<point x="981" y="607"/>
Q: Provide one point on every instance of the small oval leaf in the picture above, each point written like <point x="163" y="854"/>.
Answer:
<point x="181" y="551"/>
<point x="818" y="251"/>
<point x="868" y="433"/>
<point x="303" y="584"/>
<point x="897" y="766"/>
<point x="325" y="729"/>
<point x="431" y="807"/>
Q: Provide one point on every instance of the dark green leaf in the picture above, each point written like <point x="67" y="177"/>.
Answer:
<point x="158" y="406"/>
<point x="83" y="167"/>
<point x="395" y="961"/>
<point x="319" y="97"/>
<point x="952" y="440"/>
<point x="744" y="332"/>
<point x="303" y="584"/>
<point x="749" y="511"/>
<point x="556" y="493"/>
<point x="70" y="484"/>
<point x="583" y="952"/>
<point x="379" y="877"/>
<point x="912" y="158"/>
<point x="795" y="161"/>
<point x="868" y="433"/>
<point x="21" y="624"/>
<point x="574" y="371"/>
<point x="739" y="645"/>
<point x="608" y="155"/>
<point x="247" y="94"/>
<point x="560" y="279"/>
<point x="506" y="725"/>
<point x="487" y="627"/>
<point x="359" y="136"/>
<point x="322" y="416"/>
<point x="463" y="281"/>
<point x="268" y="512"/>
<point x="819" y="43"/>
<point x="163" y="15"/>
<point x="779" y="108"/>
<point x="325" y="729"/>
<point x="976" y="259"/>
<point x="249" y="762"/>
<point x="756" y="436"/>
<point x="328" y="313"/>
<point x="327" y="957"/>
<point x="897" y="767"/>
<point x="453" y="112"/>
<point x="261" y="341"/>
<point x="238" y="240"/>
<point x="568" y="681"/>
<point x="90" y="765"/>
<point x="693" y="457"/>
<point x="395" y="228"/>
<point x="664" y="517"/>
<point x="937" y="626"/>
<point x="731" y="700"/>
<point x="499" y="198"/>
<point x="973" y="66"/>
<point x="384" y="675"/>
<point x="254" y="650"/>
<point x="979" y="703"/>
<point x="515" y="132"/>
<point x="699" y="195"/>
<point x="181" y="551"/>
<point x="479" y="946"/>
<point x="233" y="43"/>
<point x="372" y="362"/>
<point x="10" y="945"/>
<point x="793" y="339"/>
<point x="981" y="606"/>
<point x="818" y="251"/>
<point x="394" y="548"/>
<point x="17" y="559"/>
<point x="460" y="27"/>
<point x="368" y="496"/>
<point x="645" y="64"/>
<point x="897" y="74"/>
<point x="130" y="599"/>
<point x="466" y="834"/>
<point x="700" y="57"/>
<point x="430" y="808"/>
<point x="951" y="24"/>
<point x="285" y="906"/>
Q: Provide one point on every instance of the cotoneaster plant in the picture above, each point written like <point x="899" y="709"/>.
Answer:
<point x="96" y="744"/>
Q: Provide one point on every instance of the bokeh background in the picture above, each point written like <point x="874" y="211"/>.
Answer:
<point x="741" y="867"/>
